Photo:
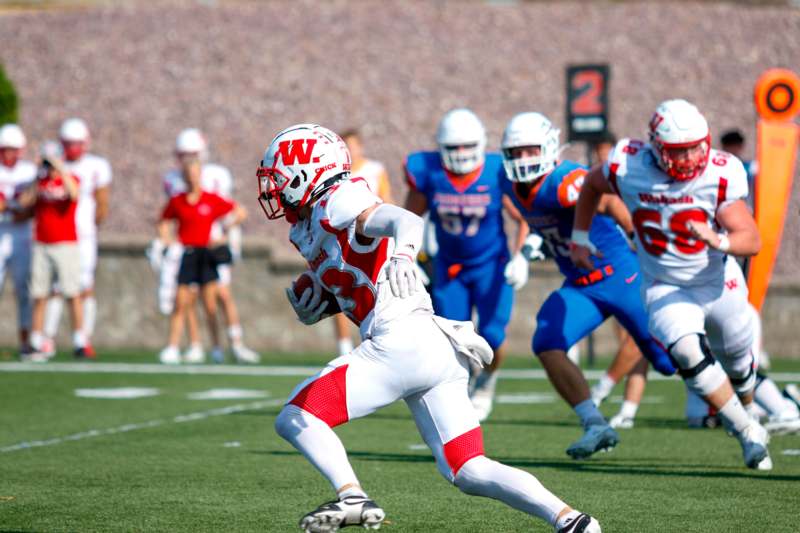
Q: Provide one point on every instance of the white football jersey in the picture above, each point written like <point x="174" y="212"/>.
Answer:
<point x="662" y="207"/>
<point x="371" y="171"/>
<point x="353" y="270"/>
<point x="213" y="178"/>
<point x="94" y="173"/>
<point x="12" y="181"/>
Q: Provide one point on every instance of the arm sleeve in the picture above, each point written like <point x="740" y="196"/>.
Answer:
<point x="404" y="226"/>
<point x="348" y="201"/>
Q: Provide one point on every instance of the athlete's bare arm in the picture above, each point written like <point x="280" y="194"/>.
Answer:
<point x="101" y="197"/>
<point x="595" y="186"/>
<point x="523" y="230"/>
<point x="742" y="235"/>
<point x="416" y="202"/>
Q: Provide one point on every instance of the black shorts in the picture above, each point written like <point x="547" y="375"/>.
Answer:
<point x="197" y="267"/>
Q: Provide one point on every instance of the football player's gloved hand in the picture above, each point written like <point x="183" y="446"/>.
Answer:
<point x="155" y="254"/>
<point x="308" y="308"/>
<point x="402" y="274"/>
<point x="421" y="274"/>
<point x="532" y="249"/>
<point x="581" y="249"/>
<point x="516" y="271"/>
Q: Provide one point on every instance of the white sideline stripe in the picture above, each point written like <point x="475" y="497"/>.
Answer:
<point x="278" y="370"/>
<point x="126" y="428"/>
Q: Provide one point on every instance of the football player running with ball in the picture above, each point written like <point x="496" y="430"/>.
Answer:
<point x="688" y="206"/>
<point x="545" y="190"/>
<point x="363" y="252"/>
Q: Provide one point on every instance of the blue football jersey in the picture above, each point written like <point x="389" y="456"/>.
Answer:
<point x="465" y="210"/>
<point x="549" y="208"/>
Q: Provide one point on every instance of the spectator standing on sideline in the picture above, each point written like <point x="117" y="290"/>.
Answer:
<point x="378" y="180"/>
<point x="191" y="148"/>
<point x="195" y="212"/>
<point x="16" y="174"/>
<point x="56" y="254"/>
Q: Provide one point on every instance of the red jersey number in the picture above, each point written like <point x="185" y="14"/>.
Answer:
<point x="648" y="223"/>
<point x="360" y="294"/>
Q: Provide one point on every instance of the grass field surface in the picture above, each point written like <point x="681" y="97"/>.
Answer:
<point x="182" y="458"/>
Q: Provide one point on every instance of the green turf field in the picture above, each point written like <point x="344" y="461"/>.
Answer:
<point x="169" y="463"/>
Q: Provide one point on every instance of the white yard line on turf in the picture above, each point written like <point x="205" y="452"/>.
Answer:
<point x="126" y="428"/>
<point x="278" y="370"/>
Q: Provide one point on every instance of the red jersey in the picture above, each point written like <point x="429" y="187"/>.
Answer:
<point x="54" y="212"/>
<point x="195" y="220"/>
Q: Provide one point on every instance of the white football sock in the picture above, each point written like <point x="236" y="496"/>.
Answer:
<point x="89" y="315"/>
<point x="235" y="335"/>
<point x="36" y="340"/>
<point x="734" y="415"/>
<point x="78" y="339"/>
<point x="344" y="346"/>
<point x="52" y="315"/>
<point x="603" y="388"/>
<point x="318" y="443"/>
<point x="629" y="409"/>
<point x="352" y="490"/>
<point x="768" y="396"/>
<point x="589" y="414"/>
<point x="481" y="476"/>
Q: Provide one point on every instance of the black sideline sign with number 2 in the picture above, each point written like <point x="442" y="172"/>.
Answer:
<point x="587" y="102"/>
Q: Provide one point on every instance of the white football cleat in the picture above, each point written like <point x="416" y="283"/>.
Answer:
<point x="350" y="511"/>
<point x="170" y="356"/>
<point x="245" y="355"/>
<point x="595" y="438"/>
<point x="784" y="423"/>
<point x="583" y="523"/>
<point x="482" y="396"/>
<point x="754" y="439"/>
<point x="217" y="355"/>
<point x="194" y="355"/>
<point x="621" y="421"/>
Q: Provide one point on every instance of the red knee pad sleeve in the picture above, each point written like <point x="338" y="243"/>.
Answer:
<point x="326" y="397"/>
<point x="463" y="448"/>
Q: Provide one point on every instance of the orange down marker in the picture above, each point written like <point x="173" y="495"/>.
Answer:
<point x="777" y="101"/>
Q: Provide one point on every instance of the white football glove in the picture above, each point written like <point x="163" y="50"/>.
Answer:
<point x="516" y="271"/>
<point x="308" y="308"/>
<point x="402" y="274"/>
<point x="155" y="254"/>
<point x="532" y="249"/>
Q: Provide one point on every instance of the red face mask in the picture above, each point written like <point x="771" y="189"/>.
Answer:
<point x="73" y="150"/>
<point x="687" y="161"/>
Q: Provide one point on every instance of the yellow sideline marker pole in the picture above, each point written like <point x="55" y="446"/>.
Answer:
<point x="777" y="101"/>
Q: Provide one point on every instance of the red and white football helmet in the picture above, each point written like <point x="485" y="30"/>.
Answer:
<point x="301" y="163"/>
<point x="680" y="139"/>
